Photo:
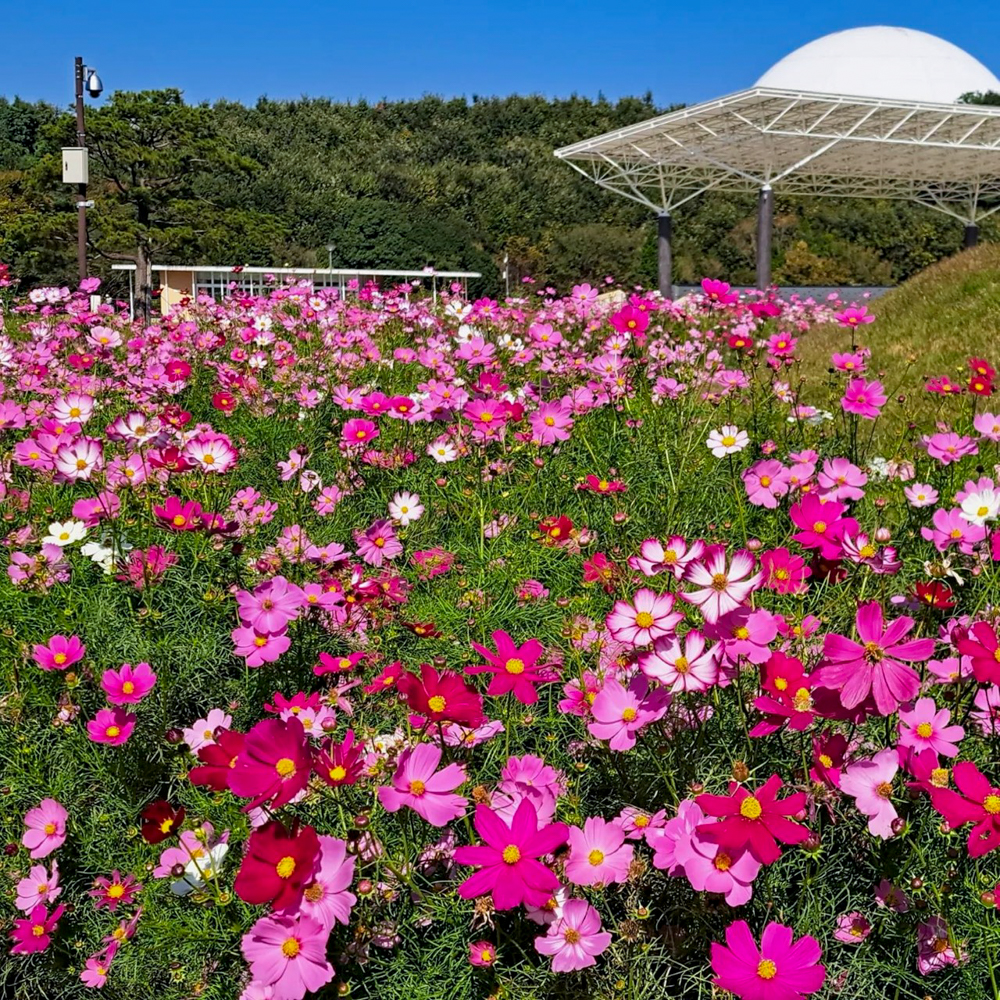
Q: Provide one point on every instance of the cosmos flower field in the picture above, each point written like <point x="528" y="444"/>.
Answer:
<point x="567" y="646"/>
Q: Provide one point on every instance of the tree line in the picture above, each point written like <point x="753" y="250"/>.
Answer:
<point x="455" y="184"/>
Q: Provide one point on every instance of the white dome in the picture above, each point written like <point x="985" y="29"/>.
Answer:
<point x="893" y="63"/>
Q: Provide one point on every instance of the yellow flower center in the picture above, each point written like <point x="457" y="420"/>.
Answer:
<point x="571" y="936"/>
<point x="112" y="731"/>
<point x="722" y="861"/>
<point x="803" y="700"/>
<point x="38" y="930"/>
<point x="61" y="657"/>
<point x="628" y="714"/>
<point x="641" y="820"/>
<point x="511" y="854"/>
<point x="166" y="826"/>
<point x="337" y="773"/>
<point x="885" y="790"/>
<point x="925" y="730"/>
<point x="595" y="857"/>
<point x="285" y="767"/>
<point x="514" y="666"/>
<point x="826" y="760"/>
<point x="867" y="551"/>
<point x="780" y="683"/>
<point x="765" y="480"/>
<point x="314" y="893"/>
<point x="728" y="441"/>
<point x="260" y="641"/>
<point x="436" y="704"/>
<point x="681" y="665"/>
<point x="719" y="582"/>
<point x="741" y="632"/>
<point x="417" y="787"/>
<point x="819" y="527"/>
<point x="486" y="955"/>
<point x="939" y="777"/>
<point x="116" y="891"/>
<point x="992" y="804"/>
<point x="50" y="828"/>
<point x="290" y="948"/>
<point x="767" y="969"/>
<point x="750" y="808"/>
<point x="644" y="619"/>
<point x="128" y="687"/>
<point x="285" y="867"/>
<point x="550" y="422"/>
<point x="179" y="521"/>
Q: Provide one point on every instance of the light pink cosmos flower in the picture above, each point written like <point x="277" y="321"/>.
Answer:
<point x="987" y="425"/>
<point x="869" y="783"/>
<point x="288" y="954"/>
<point x="950" y="528"/>
<point x="259" y="647"/>
<point x="598" y="853"/>
<point x="575" y="939"/>
<point x="45" y="828"/>
<point x="920" y="495"/>
<point x="949" y="447"/>
<point x="40" y="886"/>
<point x="841" y="480"/>
<point x="428" y="792"/>
<point x="648" y="617"/>
<point x="873" y="666"/>
<point x="721" y="590"/>
<point x="852" y="928"/>
<point x="925" y="727"/>
<point x="673" y="556"/>
<point x="328" y="899"/>
<point x="766" y="481"/>
<point x="202" y="732"/>
<point x="378" y="543"/>
<point x="936" y="947"/>
<point x="620" y="712"/>
<point x="687" y="664"/>
<point x="128" y="685"/>
<point x="79" y="458"/>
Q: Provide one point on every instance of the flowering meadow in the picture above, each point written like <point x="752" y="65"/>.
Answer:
<point x="562" y="647"/>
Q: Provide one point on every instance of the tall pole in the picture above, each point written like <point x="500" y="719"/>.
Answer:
<point x="765" y="225"/>
<point x="971" y="238"/>
<point x="81" y="208"/>
<point x="664" y="254"/>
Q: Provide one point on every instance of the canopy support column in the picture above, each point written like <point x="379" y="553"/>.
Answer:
<point x="664" y="255"/>
<point x="971" y="238"/>
<point x="765" y="226"/>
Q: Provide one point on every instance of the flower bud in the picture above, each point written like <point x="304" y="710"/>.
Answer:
<point x="740" y="771"/>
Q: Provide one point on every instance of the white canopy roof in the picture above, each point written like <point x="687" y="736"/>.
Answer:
<point x="944" y="155"/>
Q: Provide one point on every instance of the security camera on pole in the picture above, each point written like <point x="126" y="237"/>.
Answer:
<point x="75" y="163"/>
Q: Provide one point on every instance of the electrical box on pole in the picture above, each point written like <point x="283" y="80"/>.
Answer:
<point x="76" y="168"/>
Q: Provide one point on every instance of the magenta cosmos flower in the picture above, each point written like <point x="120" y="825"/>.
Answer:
<point x="754" y="820"/>
<point x="358" y="431"/>
<point x="428" y="792"/>
<point x="976" y="801"/>
<point x="110" y="892"/>
<point x="111" y="726"/>
<point x="778" y="970"/>
<point x="926" y="727"/>
<point x="869" y="782"/>
<point x="34" y="933"/>
<point x="873" y="666"/>
<point x="574" y="939"/>
<point x="598" y="854"/>
<point x="128" y="685"/>
<point x="288" y="955"/>
<point x="271" y="605"/>
<point x="721" y="589"/>
<point x="865" y="399"/>
<point x="378" y="543"/>
<point x="648" y="617"/>
<point x="508" y="860"/>
<point x="59" y="653"/>
<point x="514" y="668"/>
<point x="259" y="647"/>
<point x="273" y="765"/>
<point x="619" y="712"/>
<point x="45" y="828"/>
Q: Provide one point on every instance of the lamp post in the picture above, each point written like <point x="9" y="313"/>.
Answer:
<point x="85" y="76"/>
<point x="329" y="256"/>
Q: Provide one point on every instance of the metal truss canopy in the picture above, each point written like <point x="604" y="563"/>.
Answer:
<point x="944" y="156"/>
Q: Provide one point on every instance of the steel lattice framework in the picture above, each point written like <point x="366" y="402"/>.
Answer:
<point x="944" y="156"/>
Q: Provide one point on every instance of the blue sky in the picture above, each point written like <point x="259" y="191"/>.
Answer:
<point x="241" y="49"/>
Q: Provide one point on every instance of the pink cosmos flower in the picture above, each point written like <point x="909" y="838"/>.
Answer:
<point x="378" y="543"/>
<point x="40" y="886"/>
<point x="784" y="572"/>
<point x="79" y="458"/>
<point x="821" y="525"/>
<point x="869" y="783"/>
<point x="976" y="801"/>
<point x="950" y="528"/>
<point x="619" y="712"/>
<point x="128" y="685"/>
<point x="34" y="933"/>
<point x="649" y="616"/>
<point x="514" y="668"/>
<point x="721" y="590"/>
<point x="482" y="954"/>
<point x="551" y="422"/>
<point x="778" y="970"/>
<point x="358" y="431"/>
<point x="926" y="728"/>
<point x="936" y="947"/>
<point x="274" y="764"/>
<point x="508" y="860"/>
<point x="111" y="726"/>
<point x="271" y="606"/>
<point x="639" y="824"/>
<point x="865" y="399"/>
<point x="428" y="792"/>
<point x="673" y="556"/>
<point x="765" y="481"/>
<point x="841" y="480"/>
<point x="202" y="733"/>
<point x="949" y="447"/>
<point x="598" y="854"/>
<point x="287" y="954"/>
<point x="108" y="893"/>
<point x="873" y="666"/>
<point x="687" y="664"/>
<point x="854" y="316"/>
<point x="59" y="653"/>
<point x="45" y="828"/>
<point x="920" y="495"/>
<point x="574" y="939"/>
<point x="259" y="647"/>
<point x="852" y="928"/>
<point x="327" y="898"/>
<point x="988" y="425"/>
<point x="95" y="969"/>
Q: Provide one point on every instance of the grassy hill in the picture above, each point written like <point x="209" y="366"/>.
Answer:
<point x="929" y="326"/>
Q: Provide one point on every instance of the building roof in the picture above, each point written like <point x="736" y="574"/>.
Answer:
<point x="814" y="142"/>
<point x="896" y="63"/>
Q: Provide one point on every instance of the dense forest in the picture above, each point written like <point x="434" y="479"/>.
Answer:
<point x="450" y="183"/>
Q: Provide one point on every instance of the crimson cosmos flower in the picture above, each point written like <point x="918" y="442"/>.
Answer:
<point x="441" y="697"/>
<point x="273" y="765"/>
<point x="754" y="820"/>
<point x="278" y="864"/>
<point x="979" y="803"/>
<point x="217" y="759"/>
<point x="160" y="820"/>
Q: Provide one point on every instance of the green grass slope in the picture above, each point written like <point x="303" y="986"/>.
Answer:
<point x="930" y="326"/>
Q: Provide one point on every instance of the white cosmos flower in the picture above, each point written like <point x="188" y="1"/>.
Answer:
<point x="63" y="533"/>
<point x="728" y="440"/>
<point x="442" y="450"/>
<point x="405" y="507"/>
<point x="197" y="873"/>
<point x="980" y="507"/>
